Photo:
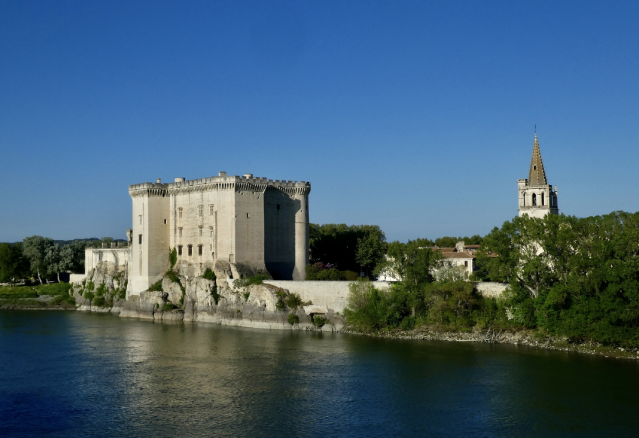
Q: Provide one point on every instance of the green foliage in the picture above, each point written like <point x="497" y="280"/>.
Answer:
<point x="321" y="272"/>
<point x="209" y="274"/>
<point x="35" y="249"/>
<point x="293" y="301"/>
<point x="319" y="321"/>
<point x="63" y="299"/>
<point x="101" y="290"/>
<point x="340" y="245"/>
<point x="410" y="262"/>
<point x="157" y="287"/>
<point x="168" y="306"/>
<point x="573" y="277"/>
<point x="215" y="294"/>
<point x="17" y="292"/>
<point x="281" y="304"/>
<point x="293" y="319"/>
<point x="100" y="301"/>
<point x="89" y="295"/>
<point x="13" y="266"/>
<point x="246" y="296"/>
<point x="172" y="258"/>
<point x="244" y="282"/>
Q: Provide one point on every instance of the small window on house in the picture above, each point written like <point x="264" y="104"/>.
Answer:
<point x="140" y="239"/>
<point x="211" y="208"/>
<point x="199" y="250"/>
<point x="200" y="210"/>
<point x="180" y="212"/>
<point x="179" y="250"/>
<point x="190" y="250"/>
<point x="466" y="263"/>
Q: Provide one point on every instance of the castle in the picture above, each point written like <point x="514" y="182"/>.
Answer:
<point x="235" y="219"/>
<point x="537" y="198"/>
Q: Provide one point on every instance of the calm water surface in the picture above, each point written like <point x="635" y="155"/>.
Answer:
<point x="79" y="374"/>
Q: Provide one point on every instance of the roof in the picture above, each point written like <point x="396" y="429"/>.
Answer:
<point x="536" y="174"/>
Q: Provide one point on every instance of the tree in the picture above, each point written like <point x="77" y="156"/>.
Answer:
<point x="337" y="244"/>
<point x="34" y="249"/>
<point x="370" y="250"/>
<point x="59" y="259"/>
<point x="12" y="265"/>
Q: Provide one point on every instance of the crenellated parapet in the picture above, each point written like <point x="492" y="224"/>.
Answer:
<point x="148" y="189"/>
<point x="238" y="184"/>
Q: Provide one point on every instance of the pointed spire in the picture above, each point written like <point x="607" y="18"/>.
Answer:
<point x="537" y="174"/>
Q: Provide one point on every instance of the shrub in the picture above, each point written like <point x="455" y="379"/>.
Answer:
<point x="246" y="296"/>
<point x="157" y="287"/>
<point x="293" y="301"/>
<point x="89" y="296"/>
<point x="281" y="304"/>
<point x="214" y="294"/>
<point x="100" y="301"/>
<point x="209" y="274"/>
<point x="408" y="323"/>
<point x="244" y="282"/>
<point x="172" y="258"/>
<point x="293" y="319"/>
<point x="319" y="321"/>
<point x="168" y="306"/>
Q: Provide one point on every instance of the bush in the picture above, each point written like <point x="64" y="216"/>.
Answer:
<point x="408" y="323"/>
<point x="293" y="319"/>
<point x="244" y="282"/>
<point x="168" y="306"/>
<point x="209" y="274"/>
<point x="319" y="321"/>
<point x="157" y="287"/>
<point x="281" y="304"/>
<point x="89" y="295"/>
<point x="246" y="296"/>
<point x="322" y="272"/>
<point x="173" y="258"/>
<point x="54" y="289"/>
<point x="293" y="301"/>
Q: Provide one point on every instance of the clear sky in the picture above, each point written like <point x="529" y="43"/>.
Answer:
<point x="415" y="116"/>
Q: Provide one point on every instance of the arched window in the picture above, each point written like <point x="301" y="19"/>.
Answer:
<point x="534" y="199"/>
<point x="542" y="199"/>
<point x="523" y="195"/>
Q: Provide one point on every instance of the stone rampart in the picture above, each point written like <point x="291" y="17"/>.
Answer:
<point x="333" y="295"/>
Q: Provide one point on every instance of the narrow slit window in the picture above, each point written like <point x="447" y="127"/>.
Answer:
<point x="190" y="250"/>
<point x="199" y="250"/>
<point x="180" y="212"/>
<point x="200" y="210"/>
<point x="140" y="239"/>
<point x="164" y="221"/>
<point x="179" y="250"/>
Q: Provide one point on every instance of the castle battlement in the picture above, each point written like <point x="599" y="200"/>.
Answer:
<point x="245" y="182"/>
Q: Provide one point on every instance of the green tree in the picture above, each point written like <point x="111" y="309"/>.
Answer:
<point x="12" y="263"/>
<point x="59" y="259"/>
<point x="35" y="249"/>
<point x="370" y="250"/>
<point x="337" y="244"/>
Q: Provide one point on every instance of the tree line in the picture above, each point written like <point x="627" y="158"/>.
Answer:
<point x="576" y="278"/>
<point x="42" y="258"/>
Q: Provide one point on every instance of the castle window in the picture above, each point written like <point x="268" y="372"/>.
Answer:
<point x="524" y="198"/>
<point x="179" y="250"/>
<point x="140" y="239"/>
<point x="542" y="199"/>
<point x="200" y="210"/>
<point x="190" y="247"/>
<point x="180" y="232"/>
<point x="164" y="221"/>
<point x="211" y="207"/>
<point x="247" y="215"/>
<point x="534" y="200"/>
<point x="199" y="250"/>
<point x="534" y="167"/>
<point x="200" y="231"/>
<point x="180" y="212"/>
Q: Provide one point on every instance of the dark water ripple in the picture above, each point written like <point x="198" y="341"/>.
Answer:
<point x="67" y="374"/>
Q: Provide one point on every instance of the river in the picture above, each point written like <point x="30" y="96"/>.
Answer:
<point x="81" y="374"/>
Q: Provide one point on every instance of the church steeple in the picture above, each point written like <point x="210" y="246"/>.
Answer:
<point x="536" y="174"/>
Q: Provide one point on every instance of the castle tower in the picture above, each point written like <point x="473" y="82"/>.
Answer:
<point x="149" y="237"/>
<point x="536" y="197"/>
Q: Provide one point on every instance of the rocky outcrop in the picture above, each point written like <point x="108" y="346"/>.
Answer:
<point x="103" y="290"/>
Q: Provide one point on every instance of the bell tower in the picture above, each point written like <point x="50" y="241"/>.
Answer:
<point x="537" y="198"/>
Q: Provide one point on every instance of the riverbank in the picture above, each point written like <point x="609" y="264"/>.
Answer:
<point x="530" y="339"/>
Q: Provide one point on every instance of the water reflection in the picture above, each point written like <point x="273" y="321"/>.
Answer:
<point x="80" y="374"/>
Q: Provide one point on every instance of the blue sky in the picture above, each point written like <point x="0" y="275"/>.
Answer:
<point x="415" y="116"/>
